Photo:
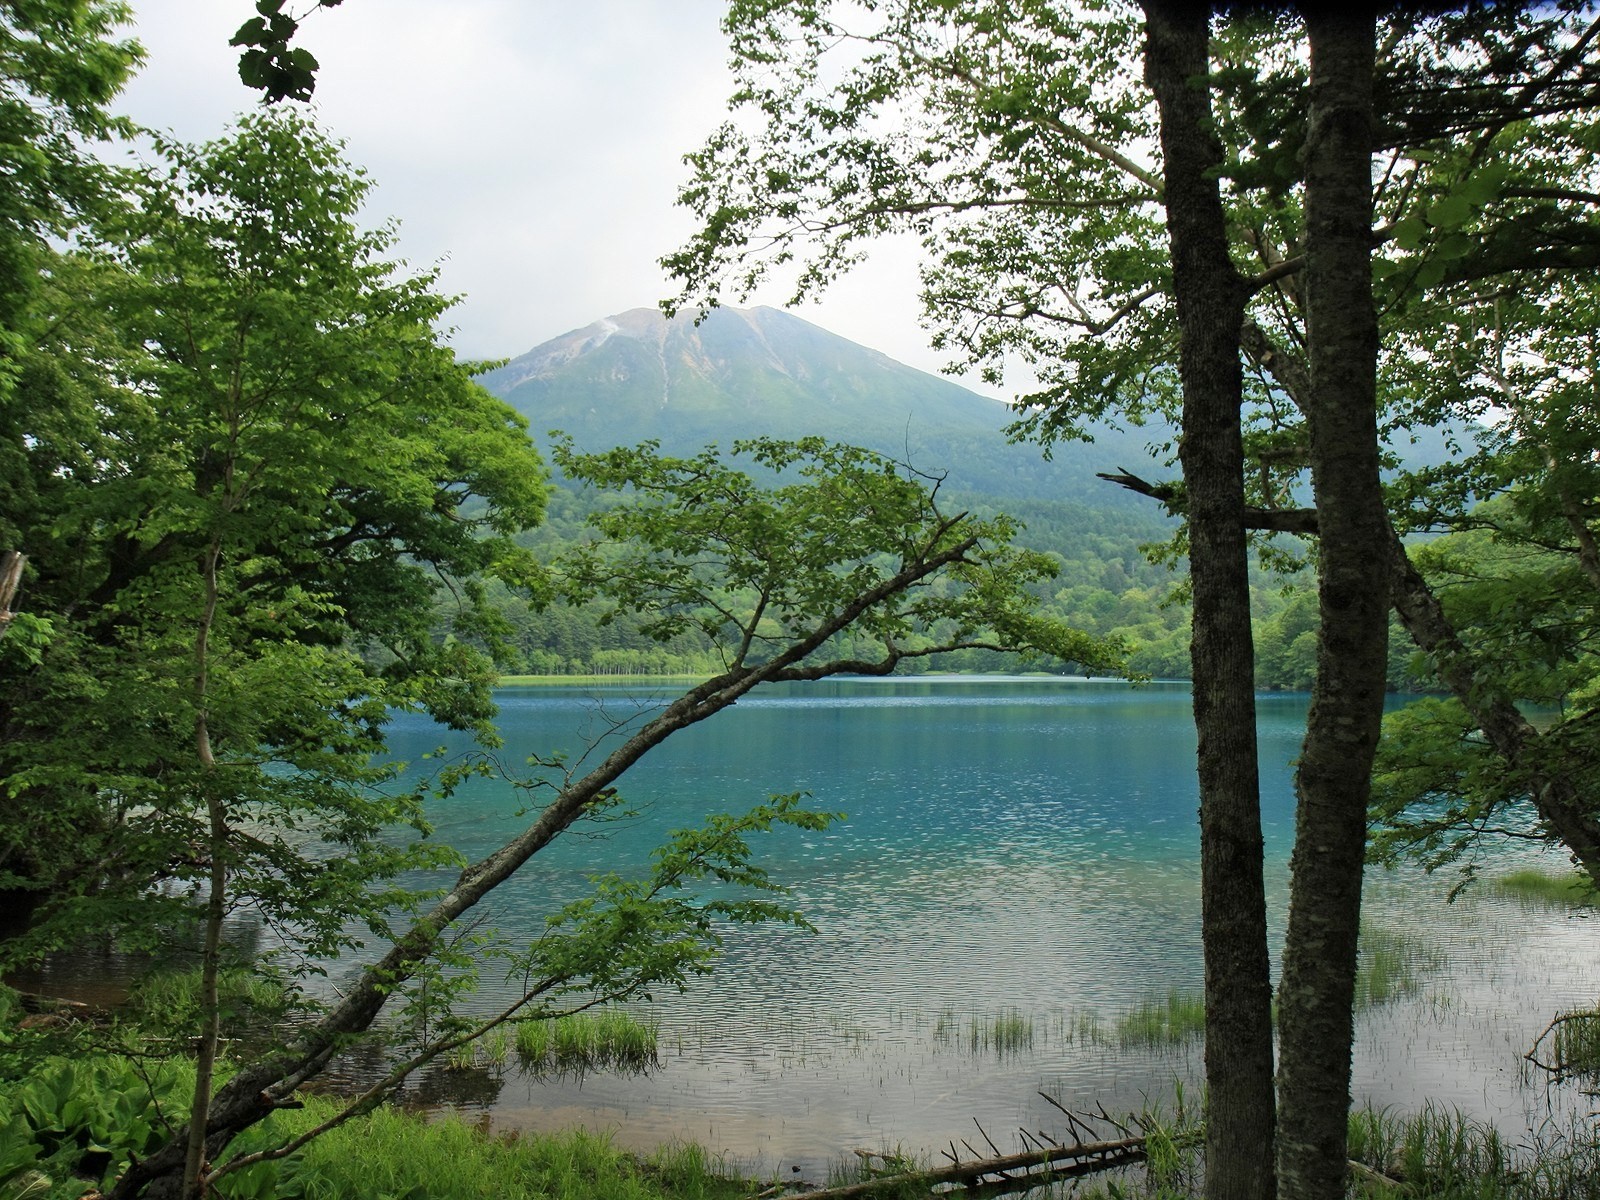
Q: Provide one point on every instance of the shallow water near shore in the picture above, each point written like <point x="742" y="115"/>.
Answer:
<point x="1021" y="850"/>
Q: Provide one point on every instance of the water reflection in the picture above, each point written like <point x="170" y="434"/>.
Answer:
<point x="1024" y="846"/>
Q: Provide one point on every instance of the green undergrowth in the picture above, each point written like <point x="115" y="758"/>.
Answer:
<point x="1553" y="889"/>
<point x="392" y="1154"/>
<point x="69" y="1126"/>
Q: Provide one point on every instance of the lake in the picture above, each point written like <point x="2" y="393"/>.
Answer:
<point x="1013" y="846"/>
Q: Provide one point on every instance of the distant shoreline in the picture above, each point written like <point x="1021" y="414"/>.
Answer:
<point x="936" y="676"/>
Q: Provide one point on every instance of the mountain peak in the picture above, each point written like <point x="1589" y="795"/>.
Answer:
<point x="743" y="373"/>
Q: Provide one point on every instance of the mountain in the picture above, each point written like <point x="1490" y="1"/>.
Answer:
<point x="746" y="372"/>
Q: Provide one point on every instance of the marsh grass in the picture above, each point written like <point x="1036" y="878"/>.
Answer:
<point x="1550" y="889"/>
<point x="1573" y="1045"/>
<point x="1444" y="1154"/>
<point x="168" y="1002"/>
<point x="866" y="1165"/>
<point x="1391" y="965"/>
<point x="1154" y="1022"/>
<point x="490" y="1050"/>
<point x="599" y="1039"/>
<point x="1007" y="1032"/>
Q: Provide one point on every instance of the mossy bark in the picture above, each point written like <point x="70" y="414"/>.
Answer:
<point x="1210" y="298"/>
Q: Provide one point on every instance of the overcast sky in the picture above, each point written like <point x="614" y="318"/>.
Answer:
<point x="531" y="147"/>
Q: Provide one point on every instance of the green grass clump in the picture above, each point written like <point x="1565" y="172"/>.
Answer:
<point x="489" y="1050"/>
<point x="1169" y="1022"/>
<point x="1577" y="1044"/>
<point x="586" y="1041"/>
<point x="394" y="1154"/>
<point x="1007" y="1032"/>
<point x="1570" y="1047"/>
<point x="1444" y="1155"/>
<point x="1564" y="889"/>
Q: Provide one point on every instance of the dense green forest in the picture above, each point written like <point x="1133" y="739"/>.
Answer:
<point x="1119" y="578"/>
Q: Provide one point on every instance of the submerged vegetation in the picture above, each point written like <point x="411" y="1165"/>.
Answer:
<point x="1563" y="889"/>
<point x="1163" y="1022"/>
<point x="587" y="1041"/>
<point x="1569" y="1047"/>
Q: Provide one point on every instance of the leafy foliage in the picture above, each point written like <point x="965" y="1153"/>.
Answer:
<point x="245" y="380"/>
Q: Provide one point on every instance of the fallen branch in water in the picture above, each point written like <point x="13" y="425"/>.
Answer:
<point x="1080" y="1158"/>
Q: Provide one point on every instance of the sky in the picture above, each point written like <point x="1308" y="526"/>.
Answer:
<point x="532" y="149"/>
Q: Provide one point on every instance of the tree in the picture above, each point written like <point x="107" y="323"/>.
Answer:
<point x="1209" y="295"/>
<point x="1013" y="141"/>
<point x="62" y="65"/>
<point x="249" y="401"/>
<point x="1317" y="991"/>
<point x="267" y="448"/>
<point x="847" y="541"/>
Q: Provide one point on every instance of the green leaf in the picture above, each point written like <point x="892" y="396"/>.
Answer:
<point x="1451" y="212"/>
<point x="1483" y="185"/>
<point x="1409" y="232"/>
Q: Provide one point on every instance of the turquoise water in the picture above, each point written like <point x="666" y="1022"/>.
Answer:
<point x="1010" y="845"/>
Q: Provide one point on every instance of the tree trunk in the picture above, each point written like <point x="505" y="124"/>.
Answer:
<point x="1210" y="303"/>
<point x="1334" y="777"/>
<point x="195" y="1163"/>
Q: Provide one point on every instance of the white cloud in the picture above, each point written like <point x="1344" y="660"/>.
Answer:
<point x="531" y="147"/>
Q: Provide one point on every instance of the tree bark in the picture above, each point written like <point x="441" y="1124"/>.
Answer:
<point x="1334" y="776"/>
<point x="1210" y="298"/>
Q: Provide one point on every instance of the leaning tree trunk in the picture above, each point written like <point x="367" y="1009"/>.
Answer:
<point x="1334" y="777"/>
<point x="1210" y="303"/>
<point x="1557" y="797"/>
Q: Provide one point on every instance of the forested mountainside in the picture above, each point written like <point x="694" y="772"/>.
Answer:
<point x="761" y="372"/>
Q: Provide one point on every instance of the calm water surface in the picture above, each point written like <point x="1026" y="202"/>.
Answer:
<point x="1009" y="844"/>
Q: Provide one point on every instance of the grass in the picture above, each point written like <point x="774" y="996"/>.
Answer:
<point x="1555" y="889"/>
<point x="586" y="1041"/>
<point x="1007" y="1032"/>
<point x="490" y="1050"/>
<point x="1157" y="1022"/>
<point x="169" y="1001"/>
<point x="399" y="1155"/>
<point x="1445" y="1155"/>
<point x="1391" y="965"/>
<point x="1570" y="1047"/>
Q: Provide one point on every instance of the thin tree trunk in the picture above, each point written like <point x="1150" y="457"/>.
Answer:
<point x="1210" y="304"/>
<point x="1334" y="776"/>
<point x="216" y="902"/>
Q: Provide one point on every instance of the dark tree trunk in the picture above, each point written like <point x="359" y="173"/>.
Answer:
<point x="1210" y="302"/>
<point x="1334" y="777"/>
